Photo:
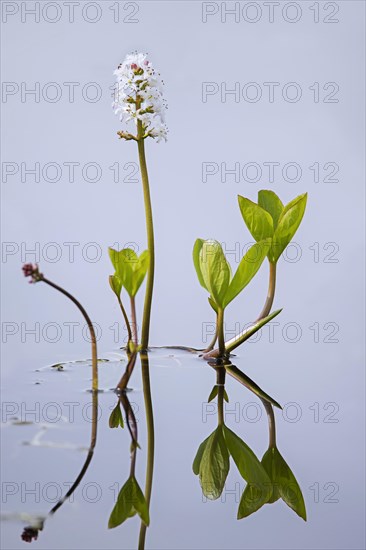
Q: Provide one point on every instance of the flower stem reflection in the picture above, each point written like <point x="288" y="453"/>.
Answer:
<point x="30" y="532"/>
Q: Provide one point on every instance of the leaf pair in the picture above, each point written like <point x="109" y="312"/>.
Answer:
<point x="283" y="485"/>
<point x="130" y="501"/>
<point x="214" y="272"/>
<point x="212" y="464"/>
<point x="116" y="418"/>
<point x="271" y="219"/>
<point x="130" y="270"/>
<point x="214" y="393"/>
<point x="283" y="481"/>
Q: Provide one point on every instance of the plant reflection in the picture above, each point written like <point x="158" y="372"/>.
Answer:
<point x="30" y="532"/>
<point x="131" y="500"/>
<point x="267" y="480"/>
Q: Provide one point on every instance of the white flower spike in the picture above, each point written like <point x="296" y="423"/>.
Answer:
<point x="139" y="97"/>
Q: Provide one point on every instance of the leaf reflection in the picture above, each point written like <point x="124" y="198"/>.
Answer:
<point x="267" y="480"/>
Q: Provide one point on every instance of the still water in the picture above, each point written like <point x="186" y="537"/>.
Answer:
<point x="46" y="432"/>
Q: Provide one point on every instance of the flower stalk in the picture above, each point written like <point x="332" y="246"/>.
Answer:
<point x="150" y="440"/>
<point x="150" y="239"/>
<point x="32" y="271"/>
<point x="134" y="336"/>
<point x="139" y="98"/>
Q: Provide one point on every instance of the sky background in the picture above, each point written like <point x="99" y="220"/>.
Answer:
<point x="219" y="69"/>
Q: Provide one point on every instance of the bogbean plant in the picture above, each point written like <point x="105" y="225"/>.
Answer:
<point x="272" y="225"/>
<point x="138" y="99"/>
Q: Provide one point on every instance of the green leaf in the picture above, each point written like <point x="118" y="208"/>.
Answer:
<point x="215" y="270"/>
<point x="252" y="499"/>
<point x="139" y="270"/>
<point x="140" y="504"/>
<point x="116" y="418"/>
<point x="196" y="261"/>
<point x="288" y="224"/>
<point x="130" y="501"/>
<point x="213" y="393"/>
<point x="247" y="268"/>
<point x="259" y="489"/>
<point x="116" y="257"/>
<point x="115" y="284"/>
<point x="134" y="445"/>
<point x="246" y="334"/>
<point x="284" y="482"/>
<point x="130" y="268"/>
<point x="270" y="202"/>
<point x="198" y="457"/>
<point x="258" y="221"/>
<point x="250" y="384"/>
<point x="214" y="465"/>
<point x="212" y="304"/>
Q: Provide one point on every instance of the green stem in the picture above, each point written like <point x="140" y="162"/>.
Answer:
<point x="150" y="440"/>
<point x="220" y="381"/>
<point x="233" y="343"/>
<point x="247" y="333"/>
<point x="122" y="384"/>
<point x="211" y="346"/>
<point x="132" y="428"/>
<point x="150" y="238"/>
<point x="220" y="332"/>
<point x="125" y="319"/>
<point x="91" y="330"/>
<point x="133" y="321"/>
<point x="271" y="423"/>
<point x="271" y="292"/>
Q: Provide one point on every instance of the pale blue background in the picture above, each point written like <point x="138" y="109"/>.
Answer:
<point x="188" y="52"/>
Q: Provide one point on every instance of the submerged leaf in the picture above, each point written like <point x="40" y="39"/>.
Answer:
<point x="130" y="501"/>
<point x="258" y="490"/>
<point x="213" y="393"/>
<point x="198" y="457"/>
<point x="214" y="464"/>
<point x="283" y="481"/>
<point x="116" y="418"/>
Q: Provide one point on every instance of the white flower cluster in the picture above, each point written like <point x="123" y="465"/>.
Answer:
<point x="138" y="95"/>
